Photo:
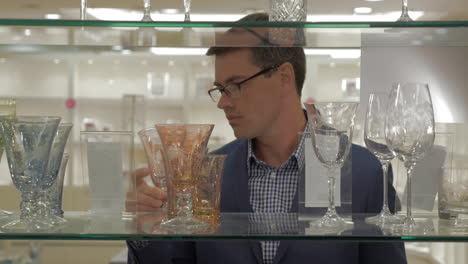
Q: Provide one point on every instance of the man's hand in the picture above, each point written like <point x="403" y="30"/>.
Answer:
<point x="148" y="198"/>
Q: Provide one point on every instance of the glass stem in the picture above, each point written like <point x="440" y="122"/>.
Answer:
<point x="84" y="4"/>
<point x="187" y="9"/>
<point x="331" y="191"/>
<point x="385" y="208"/>
<point x="409" y="169"/>
<point x="146" y="10"/>
<point x="184" y="204"/>
<point x="27" y="206"/>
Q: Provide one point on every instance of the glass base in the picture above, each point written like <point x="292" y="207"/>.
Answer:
<point x="384" y="219"/>
<point x="55" y="220"/>
<point x="404" y="18"/>
<point x="410" y="226"/>
<point x="331" y="224"/>
<point x="183" y="225"/>
<point x="19" y="225"/>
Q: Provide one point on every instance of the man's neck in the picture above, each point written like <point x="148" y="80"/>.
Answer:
<point x="276" y="147"/>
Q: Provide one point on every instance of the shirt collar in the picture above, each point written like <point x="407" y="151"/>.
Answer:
<point x="298" y="154"/>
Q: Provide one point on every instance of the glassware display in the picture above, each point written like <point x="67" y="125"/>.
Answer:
<point x="7" y="108"/>
<point x="374" y="138"/>
<point x="185" y="147"/>
<point x="404" y="12"/>
<point x="52" y="173"/>
<point x="107" y="161"/>
<point x="332" y="125"/>
<point x="56" y="191"/>
<point x="28" y="142"/>
<point x="410" y="132"/>
<point x="147" y="11"/>
<point x="207" y="195"/>
<point x="187" y="4"/>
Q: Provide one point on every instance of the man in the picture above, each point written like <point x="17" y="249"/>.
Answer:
<point x="259" y="89"/>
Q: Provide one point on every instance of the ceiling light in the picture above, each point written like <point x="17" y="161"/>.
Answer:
<point x="335" y="53"/>
<point x="53" y="16"/>
<point x="27" y="32"/>
<point x="178" y="51"/>
<point x="169" y="11"/>
<point x="362" y="10"/>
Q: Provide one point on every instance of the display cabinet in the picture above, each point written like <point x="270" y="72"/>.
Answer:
<point x="82" y="70"/>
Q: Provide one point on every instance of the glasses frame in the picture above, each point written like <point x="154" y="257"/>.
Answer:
<point x="229" y="87"/>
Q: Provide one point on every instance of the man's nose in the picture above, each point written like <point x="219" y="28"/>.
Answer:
<point x="224" y="101"/>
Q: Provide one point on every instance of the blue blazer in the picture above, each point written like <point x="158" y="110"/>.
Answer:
<point x="366" y="198"/>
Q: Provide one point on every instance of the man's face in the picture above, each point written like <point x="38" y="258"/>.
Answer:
<point x="255" y="111"/>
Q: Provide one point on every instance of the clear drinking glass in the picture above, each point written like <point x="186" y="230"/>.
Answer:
<point x="52" y="173"/>
<point x="28" y="141"/>
<point x="410" y="132"/>
<point x="374" y="138"/>
<point x="107" y="160"/>
<point x="332" y="126"/>
<point x="404" y="12"/>
<point x="184" y="147"/>
<point x="56" y="191"/>
<point x="208" y="190"/>
<point x="7" y="108"/>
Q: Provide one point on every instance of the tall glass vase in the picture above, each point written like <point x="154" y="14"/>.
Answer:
<point x="28" y="141"/>
<point x="184" y="147"/>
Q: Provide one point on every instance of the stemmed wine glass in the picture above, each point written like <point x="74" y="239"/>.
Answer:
<point x="404" y="12"/>
<point x="332" y="126"/>
<point x="374" y="138"/>
<point x="410" y="132"/>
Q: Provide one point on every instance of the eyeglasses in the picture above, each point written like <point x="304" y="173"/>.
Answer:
<point x="233" y="90"/>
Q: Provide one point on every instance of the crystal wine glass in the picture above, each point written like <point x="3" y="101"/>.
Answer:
<point x="28" y="141"/>
<point x="404" y="12"/>
<point x="409" y="132"/>
<point x="7" y="108"/>
<point x="374" y="138"/>
<point x="184" y="147"/>
<point x="332" y="126"/>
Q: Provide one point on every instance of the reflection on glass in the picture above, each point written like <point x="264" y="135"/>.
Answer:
<point x="332" y="125"/>
<point x="374" y="138"/>
<point x="409" y="132"/>
<point x="28" y="142"/>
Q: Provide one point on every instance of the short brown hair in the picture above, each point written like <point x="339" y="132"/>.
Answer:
<point x="266" y="54"/>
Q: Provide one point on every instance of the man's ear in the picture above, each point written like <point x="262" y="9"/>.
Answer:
<point x="288" y="78"/>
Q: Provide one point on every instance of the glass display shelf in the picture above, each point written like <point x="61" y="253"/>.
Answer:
<point x="134" y="34"/>
<point x="235" y="226"/>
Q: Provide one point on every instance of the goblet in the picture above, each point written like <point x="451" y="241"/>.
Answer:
<point x="7" y="108"/>
<point x="374" y="138"/>
<point x="184" y="147"/>
<point x="28" y="141"/>
<point x="404" y="12"/>
<point x="409" y="132"/>
<point x="332" y="126"/>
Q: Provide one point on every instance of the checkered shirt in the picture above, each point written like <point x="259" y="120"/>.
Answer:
<point x="272" y="190"/>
